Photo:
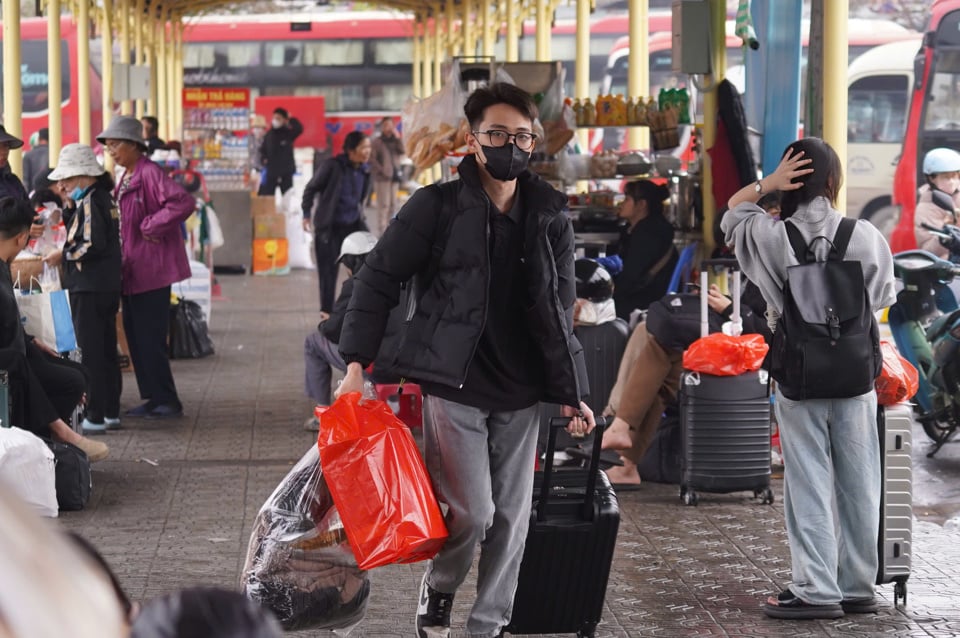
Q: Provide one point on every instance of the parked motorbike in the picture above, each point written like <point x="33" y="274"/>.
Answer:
<point x="925" y="322"/>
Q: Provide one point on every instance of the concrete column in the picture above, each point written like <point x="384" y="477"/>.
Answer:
<point x="140" y="57"/>
<point x="581" y="84"/>
<point x="543" y="32"/>
<point x="719" y="58"/>
<point x="160" y="61"/>
<point x="490" y="27"/>
<point x="418" y="57"/>
<point x="12" y="91"/>
<point x="514" y="23"/>
<point x="123" y="15"/>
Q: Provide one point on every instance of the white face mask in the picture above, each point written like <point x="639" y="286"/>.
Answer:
<point x="277" y="123"/>
<point x="947" y="182"/>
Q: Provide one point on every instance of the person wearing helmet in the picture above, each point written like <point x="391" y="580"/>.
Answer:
<point x="941" y="166"/>
<point x="320" y="348"/>
<point x="594" y="304"/>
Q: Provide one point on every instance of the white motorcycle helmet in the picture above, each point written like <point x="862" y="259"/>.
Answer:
<point x="941" y="160"/>
<point x="358" y="243"/>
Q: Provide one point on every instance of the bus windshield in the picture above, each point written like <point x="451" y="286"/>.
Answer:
<point x="877" y="109"/>
<point x="943" y="102"/>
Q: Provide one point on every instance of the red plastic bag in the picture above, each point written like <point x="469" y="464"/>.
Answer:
<point x="725" y="356"/>
<point x="898" y="380"/>
<point x="379" y="483"/>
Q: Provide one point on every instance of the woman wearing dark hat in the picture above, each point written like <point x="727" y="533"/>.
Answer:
<point x="152" y="207"/>
<point x="10" y="184"/>
<point x="91" y="257"/>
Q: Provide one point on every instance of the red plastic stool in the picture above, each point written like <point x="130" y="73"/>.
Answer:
<point x="405" y="400"/>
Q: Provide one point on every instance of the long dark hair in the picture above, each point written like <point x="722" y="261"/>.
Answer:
<point x="653" y="194"/>
<point x="825" y="180"/>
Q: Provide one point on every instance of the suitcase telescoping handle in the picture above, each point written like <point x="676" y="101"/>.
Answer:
<point x="737" y="320"/>
<point x="555" y="424"/>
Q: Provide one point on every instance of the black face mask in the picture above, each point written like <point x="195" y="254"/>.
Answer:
<point x="505" y="163"/>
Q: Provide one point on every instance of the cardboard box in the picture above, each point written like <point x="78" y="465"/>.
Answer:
<point x="269" y="226"/>
<point x="271" y="257"/>
<point x="263" y="205"/>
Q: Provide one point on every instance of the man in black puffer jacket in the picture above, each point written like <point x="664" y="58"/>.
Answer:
<point x="485" y="265"/>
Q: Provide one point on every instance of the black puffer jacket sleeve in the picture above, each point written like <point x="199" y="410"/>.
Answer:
<point x="404" y="250"/>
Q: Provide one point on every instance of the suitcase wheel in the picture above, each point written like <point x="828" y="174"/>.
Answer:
<point x="900" y="592"/>
<point x="765" y="496"/>
<point x="689" y="497"/>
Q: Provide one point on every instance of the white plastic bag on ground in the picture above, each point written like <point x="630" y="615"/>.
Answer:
<point x="27" y="470"/>
<point x="299" y="241"/>
<point x="197" y="288"/>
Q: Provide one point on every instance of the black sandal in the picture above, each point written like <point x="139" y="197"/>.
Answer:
<point x="608" y="458"/>
<point x="789" y="606"/>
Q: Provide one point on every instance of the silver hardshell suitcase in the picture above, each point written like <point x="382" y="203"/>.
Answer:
<point x="895" y="424"/>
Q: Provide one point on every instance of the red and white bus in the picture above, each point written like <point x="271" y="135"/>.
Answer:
<point x="934" y="116"/>
<point x="34" y="80"/>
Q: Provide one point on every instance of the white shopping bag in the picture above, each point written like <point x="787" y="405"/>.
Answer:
<point x="46" y="316"/>
<point x="27" y="470"/>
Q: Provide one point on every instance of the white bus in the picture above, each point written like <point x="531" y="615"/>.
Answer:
<point x="878" y="93"/>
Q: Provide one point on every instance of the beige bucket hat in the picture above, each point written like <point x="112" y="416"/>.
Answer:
<point x="76" y="159"/>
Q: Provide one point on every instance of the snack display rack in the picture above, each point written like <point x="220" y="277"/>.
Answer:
<point x="216" y="127"/>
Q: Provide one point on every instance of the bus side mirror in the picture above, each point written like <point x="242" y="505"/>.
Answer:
<point x="919" y="63"/>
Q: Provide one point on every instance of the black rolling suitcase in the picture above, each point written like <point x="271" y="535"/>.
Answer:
<point x="725" y="423"/>
<point x="603" y="347"/>
<point x="895" y="424"/>
<point x="569" y="549"/>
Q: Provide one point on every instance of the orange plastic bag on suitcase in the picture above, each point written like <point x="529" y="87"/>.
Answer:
<point x="379" y="483"/>
<point x="898" y="380"/>
<point x="725" y="356"/>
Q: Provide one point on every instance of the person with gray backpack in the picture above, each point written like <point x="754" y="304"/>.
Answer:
<point x="823" y="278"/>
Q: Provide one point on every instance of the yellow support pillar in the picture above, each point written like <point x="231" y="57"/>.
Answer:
<point x="152" y="55"/>
<point x="581" y="84"/>
<point x="438" y="51"/>
<point x="638" y="67"/>
<point x="835" y="85"/>
<point x="417" y="88"/>
<point x="719" y="62"/>
<point x="453" y="42"/>
<point x="161" y="64"/>
<point x="178" y="77"/>
<point x="429" y="50"/>
<point x="514" y="22"/>
<point x="543" y="31"/>
<point x="172" y="97"/>
<point x="54" y="82"/>
<point x="490" y="27"/>
<point x="12" y="91"/>
<point x="140" y="57"/>
<point x="106" y="72"/>
<point x="83" y="79"/>
<point x="468" y="30"/>
<point x="123" y="15"/>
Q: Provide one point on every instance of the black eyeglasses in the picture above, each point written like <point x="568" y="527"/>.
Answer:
<point x="524" y="141"/>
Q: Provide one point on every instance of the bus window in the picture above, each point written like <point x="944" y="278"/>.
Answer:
<point x="33" y="75"/>
<point x="387" y="97"/>
<point x="877" y="109"/>
<point x="221" y="55"/>
<point x="333" y="52"/>
<point x="943" y="106"/>
<point x="283" y="53"/>
<point x="392" y="51"/>
<point x="347" y="97"/>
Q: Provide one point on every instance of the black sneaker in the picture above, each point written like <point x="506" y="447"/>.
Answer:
<point x="433" y="612"/>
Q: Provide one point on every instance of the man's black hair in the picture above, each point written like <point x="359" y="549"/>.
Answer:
<point x="282" y="112"/>
<point x="43" y="195"/>
<point x="153" y="122"/>
<point x="16" y="216"/>
<point x="353" y="140"/>
<point x="498" y="93"/>
<point x="43" y="134"/>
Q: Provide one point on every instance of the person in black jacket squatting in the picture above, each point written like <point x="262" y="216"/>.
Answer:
<point x="486" y="263"/>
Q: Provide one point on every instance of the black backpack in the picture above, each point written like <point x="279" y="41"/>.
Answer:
<point x="827" y="344"/>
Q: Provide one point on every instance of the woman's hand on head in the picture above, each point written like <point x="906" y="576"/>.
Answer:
<point x="792" y="166"/>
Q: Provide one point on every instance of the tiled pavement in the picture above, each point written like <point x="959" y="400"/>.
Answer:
<point x="172" y="506"/>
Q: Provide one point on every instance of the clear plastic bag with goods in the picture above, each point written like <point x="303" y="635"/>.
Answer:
<point x="299" y="564"/>
<point x="435" y="125"/>
<point x="556" y="116"/>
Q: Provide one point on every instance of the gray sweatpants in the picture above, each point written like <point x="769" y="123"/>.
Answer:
<point x="320" y="355"/>
<point x="481" y="464"/>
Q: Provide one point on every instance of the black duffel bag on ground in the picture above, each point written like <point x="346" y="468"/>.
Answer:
<point x="674" y="320"/>
<point x="188" y="331"/>
<point x="74" y="481"/>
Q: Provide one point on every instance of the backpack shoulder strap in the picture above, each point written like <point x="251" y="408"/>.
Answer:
<point x="842" y="239"/>
<point x="797" y="242"/>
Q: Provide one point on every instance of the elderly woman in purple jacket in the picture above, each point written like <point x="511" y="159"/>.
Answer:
<point x="152" y="207"/>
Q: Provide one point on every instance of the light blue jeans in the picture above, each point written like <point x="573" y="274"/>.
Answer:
<point x="831" y="458"/>
<point x="481" y="465"/>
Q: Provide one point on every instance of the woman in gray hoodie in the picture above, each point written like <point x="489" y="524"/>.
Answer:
<point x="830" y="446"/>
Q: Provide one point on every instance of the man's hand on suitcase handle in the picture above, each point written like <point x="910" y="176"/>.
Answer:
<point x="581" y="421"/>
